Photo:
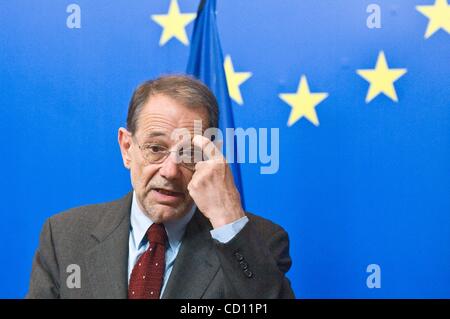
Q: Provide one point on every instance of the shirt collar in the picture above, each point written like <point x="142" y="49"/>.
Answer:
<point x="141" y="222"/>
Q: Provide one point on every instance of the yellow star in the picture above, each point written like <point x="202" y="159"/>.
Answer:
<point x="381" y="79"/>
<point x="173" y="24"/>
<point x="303" y="103"/>
<point x="234" y="80"/>
<point x="438" y="17"/>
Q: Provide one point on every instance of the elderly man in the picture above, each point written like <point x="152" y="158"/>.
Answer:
<point x="181" y="232"/>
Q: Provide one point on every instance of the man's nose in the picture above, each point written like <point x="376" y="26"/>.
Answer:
<point x="170" y="168"/>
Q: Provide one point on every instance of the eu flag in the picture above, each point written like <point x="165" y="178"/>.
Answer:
<point x="206" y="64"/>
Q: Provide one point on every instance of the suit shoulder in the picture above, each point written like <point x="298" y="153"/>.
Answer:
<point x="83" y="218"/>
<point x="91" y="212"/>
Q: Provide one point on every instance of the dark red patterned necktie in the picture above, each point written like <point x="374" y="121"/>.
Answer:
<point x="148" y="272"/>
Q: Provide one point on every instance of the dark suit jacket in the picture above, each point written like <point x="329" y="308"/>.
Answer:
<point x="95" y="237"/>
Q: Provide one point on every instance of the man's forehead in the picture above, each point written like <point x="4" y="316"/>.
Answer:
<point x="164" y="114"/>
<point x="161" y="132"/>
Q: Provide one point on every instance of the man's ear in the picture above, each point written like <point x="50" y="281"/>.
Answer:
<point x="124" y="138"/>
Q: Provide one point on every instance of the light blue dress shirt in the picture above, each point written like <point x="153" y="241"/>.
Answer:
<point x="137" y="244"/>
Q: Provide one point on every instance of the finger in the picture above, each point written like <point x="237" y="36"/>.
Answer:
<point x="209" y="149"/>
<point x="210" y="165"/>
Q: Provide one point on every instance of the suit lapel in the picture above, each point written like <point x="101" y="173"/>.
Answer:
<point x="196" y="263"/>
<point x="107" y="262"/>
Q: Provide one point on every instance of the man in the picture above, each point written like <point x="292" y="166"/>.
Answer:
<point x="181" y="232"/>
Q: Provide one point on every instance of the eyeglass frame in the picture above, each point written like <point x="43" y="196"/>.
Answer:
<point x="166" y="155"/>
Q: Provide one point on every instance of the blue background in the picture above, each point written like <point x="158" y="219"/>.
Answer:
<point x="371" y="184"/>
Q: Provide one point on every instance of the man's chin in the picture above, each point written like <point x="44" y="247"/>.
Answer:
<point x="161" y="213"/>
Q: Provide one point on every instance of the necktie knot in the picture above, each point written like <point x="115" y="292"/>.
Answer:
<point x="157" y="234"/>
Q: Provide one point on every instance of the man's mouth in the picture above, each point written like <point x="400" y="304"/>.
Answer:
<point x="168" y="192"/>
<point x="166" y="196"/>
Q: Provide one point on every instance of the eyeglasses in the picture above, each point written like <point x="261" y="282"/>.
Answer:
<point x="154" y="153"/>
